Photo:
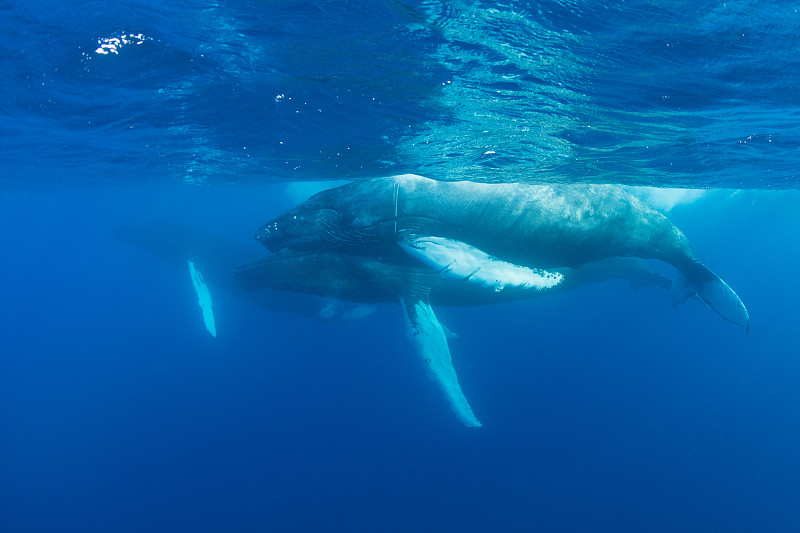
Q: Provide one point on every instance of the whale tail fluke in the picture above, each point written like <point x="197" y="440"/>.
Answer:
<point x="696" y="278"/>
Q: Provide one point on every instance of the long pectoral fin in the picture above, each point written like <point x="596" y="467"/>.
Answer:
<point x="428" y="337"/>
<point x="459" y="260"/>
<point x="204" y="298"/>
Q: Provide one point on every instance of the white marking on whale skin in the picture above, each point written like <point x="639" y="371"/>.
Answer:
<point x="204" y="298"/>
<point x="456" y="259"/>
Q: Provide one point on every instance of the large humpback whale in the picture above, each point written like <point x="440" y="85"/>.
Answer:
<point x="473" y="230"/>
<point x="494" y="238"/>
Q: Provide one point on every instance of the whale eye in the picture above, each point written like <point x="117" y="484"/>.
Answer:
<point x="348" y="218"/>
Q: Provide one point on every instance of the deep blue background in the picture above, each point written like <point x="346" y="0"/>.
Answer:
<point x="604" y="409"/>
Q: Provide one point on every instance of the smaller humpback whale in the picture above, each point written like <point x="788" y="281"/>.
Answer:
<point x="350" y="286"/>
<point x="369" y="280"/>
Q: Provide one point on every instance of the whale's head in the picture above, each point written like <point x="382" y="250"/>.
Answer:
<point x="298" y="229"/>
<point x="320" y="274"/>
<point x="347" y="218"/>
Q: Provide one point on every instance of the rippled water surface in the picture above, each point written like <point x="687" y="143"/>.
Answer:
<point x="664" y="93"/>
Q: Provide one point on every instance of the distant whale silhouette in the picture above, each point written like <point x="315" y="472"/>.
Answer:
<point x="496" y="237"/>
<point x="217" y="257"/>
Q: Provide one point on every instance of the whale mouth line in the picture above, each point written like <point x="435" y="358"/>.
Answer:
<point x="337" y="236"/>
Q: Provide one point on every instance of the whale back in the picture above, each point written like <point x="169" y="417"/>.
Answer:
<point x="546" y="225"/>
<point x="543" y="225"/>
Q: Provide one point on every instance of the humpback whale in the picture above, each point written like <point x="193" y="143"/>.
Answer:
<point x="351" y="284"/>
<point x="490" y="239"/>
<point x="497" y="234"/>
<point x="369" y="280"/>
<point x="217" y="257"/>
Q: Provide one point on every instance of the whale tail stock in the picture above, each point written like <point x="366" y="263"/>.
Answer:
<point x="695" y="278"/>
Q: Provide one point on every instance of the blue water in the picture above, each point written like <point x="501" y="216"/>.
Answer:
<point x="604" y="409"/>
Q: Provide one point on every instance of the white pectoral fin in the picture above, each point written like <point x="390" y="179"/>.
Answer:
<point x="428" y="337"/>
<point x="204" y="298"/>
<point x="456" y="259"/>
